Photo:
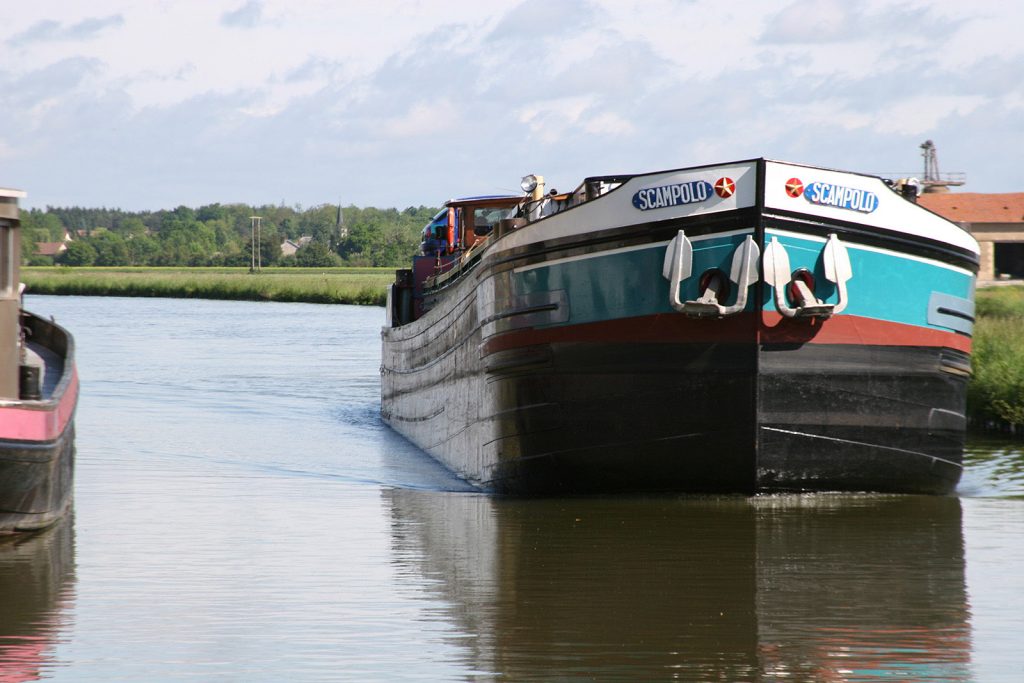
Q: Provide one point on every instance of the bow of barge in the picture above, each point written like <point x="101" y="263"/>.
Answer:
<point x="746" y="327"/>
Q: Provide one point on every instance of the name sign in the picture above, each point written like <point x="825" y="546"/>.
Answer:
<point x="675" y="194"/>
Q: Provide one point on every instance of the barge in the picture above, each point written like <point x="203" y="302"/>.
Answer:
<point x="747" y="327"/>
<point x="38" y="397"/>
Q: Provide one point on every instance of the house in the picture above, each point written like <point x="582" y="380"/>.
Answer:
<point x="995" y="220"/>
<point x="50" y="248"/>
<point x="53" y="249"/>
<point x="289" y="247"/>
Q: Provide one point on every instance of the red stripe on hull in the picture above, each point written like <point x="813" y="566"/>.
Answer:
<point x="775" y="329"/>
<point x="853" y="329"/>
<point x="664" y="327"/>
<point x="42" y="424"/>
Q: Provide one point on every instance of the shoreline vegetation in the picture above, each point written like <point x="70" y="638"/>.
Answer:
<point x="223" y="236"/>
<point x="995" y="395"/>
<point x="338" y="285"/>
<point x="995" y="398"/>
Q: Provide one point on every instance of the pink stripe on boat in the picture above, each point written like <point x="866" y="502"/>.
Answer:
<point x="43" y="423"/>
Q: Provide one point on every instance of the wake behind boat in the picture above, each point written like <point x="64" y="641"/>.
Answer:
<point x="38" y="395"/>
<point x="744" y="327"/>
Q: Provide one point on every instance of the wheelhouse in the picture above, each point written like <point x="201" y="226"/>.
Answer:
<point x="450" y="244"/>
<point x="465" y="223"/>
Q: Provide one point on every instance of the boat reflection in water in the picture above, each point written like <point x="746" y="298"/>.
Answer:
<point x="36" y="579"/>
<point x="826" y="587"/>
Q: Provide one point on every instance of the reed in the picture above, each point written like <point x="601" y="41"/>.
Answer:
<point x="362" y="286"/>
<point x="1000" y="302"/>
<point x="995" y="396"/>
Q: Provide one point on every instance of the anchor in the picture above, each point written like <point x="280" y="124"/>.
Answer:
<point x="778" y="275"/>
<point x="678" y="266"/>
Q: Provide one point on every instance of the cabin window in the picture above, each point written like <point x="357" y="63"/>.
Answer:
<point x="486" y="218"/>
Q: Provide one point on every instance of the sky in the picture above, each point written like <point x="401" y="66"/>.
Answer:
<point x="150" y="104"/>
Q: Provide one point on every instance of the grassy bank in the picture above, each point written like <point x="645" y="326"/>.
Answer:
<point x="365" y="286"/>
<point x="995" y="398"/>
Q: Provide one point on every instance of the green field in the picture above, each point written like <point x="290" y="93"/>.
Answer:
<point x="364" y="286"/>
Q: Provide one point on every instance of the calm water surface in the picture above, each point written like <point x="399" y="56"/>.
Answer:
<point x="241" y="514"/>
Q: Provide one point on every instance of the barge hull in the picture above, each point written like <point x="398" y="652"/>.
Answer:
<point x="662" y="421"/>
<point x="614" y="417"/>
<point x="708" y="417"/>
<point x="859" y="417"/>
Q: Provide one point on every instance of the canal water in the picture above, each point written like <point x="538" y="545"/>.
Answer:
<point x="242" y="514"/>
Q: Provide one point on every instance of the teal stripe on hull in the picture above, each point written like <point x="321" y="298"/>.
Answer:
<point x="624" y="284"/>
<point x="885" y="285"/>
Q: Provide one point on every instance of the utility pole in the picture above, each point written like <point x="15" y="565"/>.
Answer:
<point x="255" y="226"/>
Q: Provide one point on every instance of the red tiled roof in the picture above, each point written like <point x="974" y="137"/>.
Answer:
<point x="976" y="207"/>
<point x="50" y="248"/>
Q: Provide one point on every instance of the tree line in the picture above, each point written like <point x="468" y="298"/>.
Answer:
<point x="222" y="235"/>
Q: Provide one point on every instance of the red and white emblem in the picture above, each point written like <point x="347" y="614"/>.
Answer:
<point x="794" y="187"/>
<point x="725" y="187"/>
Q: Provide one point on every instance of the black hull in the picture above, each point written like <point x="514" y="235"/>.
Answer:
<point x="36" y="482"/>
<point x="837" y="417"/>
<point x="730" y="418"/>
<point x="614" y="417"/>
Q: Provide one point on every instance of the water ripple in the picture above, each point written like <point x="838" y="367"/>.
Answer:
<point x="993" y="469"/>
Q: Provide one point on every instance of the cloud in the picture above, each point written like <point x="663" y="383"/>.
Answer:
<point x="551" y="120"/>
<point x="609" y="123"/>
<point x="54" y="31"/>
<point x="425" y="118"/>
<point x="89" y="28"/>
<point x="39" y="32"/>
<point x="54" y="81"/>
<point x="313" y="69"/>
<point x="539" y="18"/>
<point x="247" y="16"/>
<point x="825" y="21"/>
<point x="837" y="21"/>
